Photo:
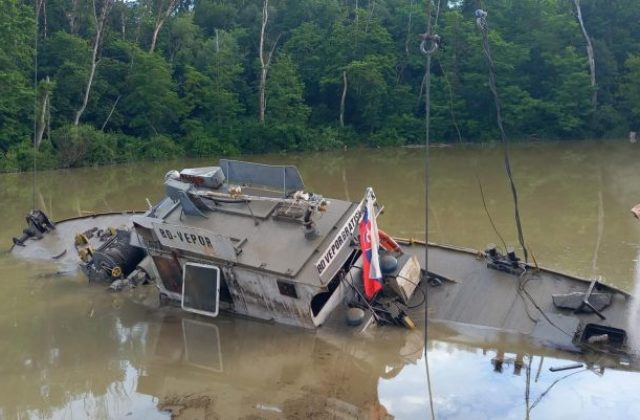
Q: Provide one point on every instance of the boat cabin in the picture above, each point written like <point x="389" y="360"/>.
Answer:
<point x="246" y="238"/>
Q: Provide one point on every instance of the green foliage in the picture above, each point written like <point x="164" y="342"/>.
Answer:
<point x="21" y="158"/>
<point x="16" y="93"/>
<point x="197" y="94"/>
<point x="161" y="148"/>
<point x="151" y="99"/>
<point x="285" y="102"/>
<point x="630" y="86"/>
<point x="84" y="145"/>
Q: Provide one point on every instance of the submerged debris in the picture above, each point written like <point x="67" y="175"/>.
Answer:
<point x="188" y="406"/>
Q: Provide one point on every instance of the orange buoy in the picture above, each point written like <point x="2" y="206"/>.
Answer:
<point x="387" y="242"/>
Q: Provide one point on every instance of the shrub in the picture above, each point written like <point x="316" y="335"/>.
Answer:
<point x="161" y="147"/>
<point x="20" y="157"/>
<point x="84" y="145"/>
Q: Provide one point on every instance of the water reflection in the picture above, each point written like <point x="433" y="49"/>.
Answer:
<point x="259" y="369"/>
<point x="95" y="355"/>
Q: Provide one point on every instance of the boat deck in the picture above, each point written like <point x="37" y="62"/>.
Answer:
<point x="474" y="294"/>
<point x="59" y="245"/>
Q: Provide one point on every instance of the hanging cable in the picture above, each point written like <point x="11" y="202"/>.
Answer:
<point x="486" y="210"/>
<point x="481" y="21"/>
<point x="35" y="104"/>
<point x="434" y="39"/>
<point x="459" y="133"/>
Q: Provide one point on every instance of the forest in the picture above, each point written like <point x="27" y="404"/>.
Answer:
<point x="92" y="82"/>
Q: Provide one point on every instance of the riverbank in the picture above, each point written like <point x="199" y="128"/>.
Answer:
<point x="84" y="146"/>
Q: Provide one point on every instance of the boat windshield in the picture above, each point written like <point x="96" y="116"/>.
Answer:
<point x="285" y="178"/>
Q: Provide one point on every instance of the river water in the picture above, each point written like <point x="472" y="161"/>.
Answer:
<point x="69" y="350"/>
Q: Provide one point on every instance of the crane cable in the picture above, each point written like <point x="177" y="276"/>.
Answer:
<point x="435" y="43"/>
<point x="483" y="26"/>
<point x="35" y="104"/>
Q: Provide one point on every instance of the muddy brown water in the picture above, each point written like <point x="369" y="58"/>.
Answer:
<point x="69" y="350"/>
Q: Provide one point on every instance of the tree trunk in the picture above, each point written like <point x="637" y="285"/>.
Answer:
<point x="72" y="16"/>
<point x="100" y="22"/>
<point x="42" y="9"/>
<point x="590" y="54"/>
<point x="41" y="119"/>
<point x="343" y="98"/>
<point x="123" y="25"/>
<point x="407" y="39"/>
<point x="372" y="7"/>
<point x="263" y="63"/>
<point x="160" y="19"/>
<point x="113" y="108"/>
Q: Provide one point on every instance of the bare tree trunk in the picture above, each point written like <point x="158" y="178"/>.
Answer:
<point x="403" y="66"/>
<point x="42" y="9"/>
<point x="356" y="12"/>
<point x="406" y="42"/>
<point x="161" y="16"/>
<point x="590" y="54"/>
<point x="343" y="98"/>
<point x="42" y="117"/>
<point x="372" y="7"/>
<point x="113" y="108"/>
<point x="72" y="16"/>
<point x="263" y="63"/>
<point x="123" y="24"/>
<point x="100" y="23"/>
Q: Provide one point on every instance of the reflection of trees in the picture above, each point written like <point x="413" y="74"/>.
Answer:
<point x="63" y="343"/>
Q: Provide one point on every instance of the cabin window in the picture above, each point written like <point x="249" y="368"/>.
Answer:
<point x="287" y="289"/>
<point x="201" y="289"/>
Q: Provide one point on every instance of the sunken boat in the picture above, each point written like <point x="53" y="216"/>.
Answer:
<point x="247" y="239"/>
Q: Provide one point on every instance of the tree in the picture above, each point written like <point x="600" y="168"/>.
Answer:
<point x="163" y="9"/>
<point x="16" y="91"/>
<point x="100" y="21"/>
<point x="590" y="54"/>
<point x="285" y="94"/>
<point x="152" y="104"/>
<point x="630" y="88"/>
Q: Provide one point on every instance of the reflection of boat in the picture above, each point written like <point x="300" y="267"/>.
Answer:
<point x="238" y="362"/>
<point x="246" y="239"/>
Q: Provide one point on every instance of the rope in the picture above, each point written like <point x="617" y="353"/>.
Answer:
<point x="546" y="391"/>
<point x="486" y="210"/>
<point x="451" y="111"/>
<point x="435" y="40"/>
<point x="35" y="104"/>
<point x="527" y="391"/>
<point x="481" y="21"/>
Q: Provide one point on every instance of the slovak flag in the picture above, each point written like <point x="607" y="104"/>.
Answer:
<point x="371" y="274"/>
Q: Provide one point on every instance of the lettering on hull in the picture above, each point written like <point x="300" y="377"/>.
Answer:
<point x="195" y="240"/>
<point x="340" y="241"/>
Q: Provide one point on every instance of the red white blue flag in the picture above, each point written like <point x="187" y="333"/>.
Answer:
<point x="369" y="242"/>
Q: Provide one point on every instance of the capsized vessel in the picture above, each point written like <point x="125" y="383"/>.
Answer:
<point x="245" y="238"/>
